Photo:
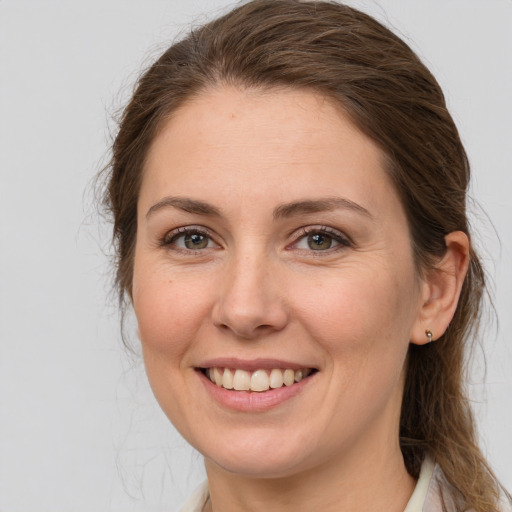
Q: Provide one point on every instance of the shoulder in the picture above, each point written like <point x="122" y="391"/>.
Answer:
<point x="431" y="491"/>
<point x="197" y="500"/>
<point x="505" y="504"/>
<point x="439" y="495"/>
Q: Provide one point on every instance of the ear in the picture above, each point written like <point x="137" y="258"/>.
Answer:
<point x="441" y="288"/>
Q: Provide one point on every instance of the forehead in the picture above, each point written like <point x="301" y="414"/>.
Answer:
<point x="253" y="142"/>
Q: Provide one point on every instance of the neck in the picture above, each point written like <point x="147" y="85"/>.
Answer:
<point x="369" y="484"/>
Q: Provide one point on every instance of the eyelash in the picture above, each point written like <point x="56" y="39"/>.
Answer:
<point x="342" y="240"/>
<point x="170" y="238"/>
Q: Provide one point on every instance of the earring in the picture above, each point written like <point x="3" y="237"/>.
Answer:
<point x="429" y="335"/>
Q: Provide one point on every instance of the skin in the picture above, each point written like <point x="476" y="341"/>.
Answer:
<point x="257" y="290"/>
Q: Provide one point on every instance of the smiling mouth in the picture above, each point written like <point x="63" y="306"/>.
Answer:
<point x="258" y="381"/>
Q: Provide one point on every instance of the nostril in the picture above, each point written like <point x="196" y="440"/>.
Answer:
<point x="264" y="327"/>
<point x="249" y="312"/>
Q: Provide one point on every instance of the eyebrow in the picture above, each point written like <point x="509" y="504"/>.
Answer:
<point x="304" y="207"/>
<point x="187" y="205"/>
<point x="319" y="205"/>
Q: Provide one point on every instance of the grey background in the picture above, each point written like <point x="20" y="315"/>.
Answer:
<point x="79" y="428"/>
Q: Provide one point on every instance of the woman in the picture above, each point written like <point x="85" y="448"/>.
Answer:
<point x="288" y="192"/>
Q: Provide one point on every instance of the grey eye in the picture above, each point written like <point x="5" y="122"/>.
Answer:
<point x="195" y="241"/>
<point x="318" y="241"/>
<point x="190" y="239"/>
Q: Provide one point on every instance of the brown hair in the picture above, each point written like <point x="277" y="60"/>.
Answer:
<point x="390" y="95"/>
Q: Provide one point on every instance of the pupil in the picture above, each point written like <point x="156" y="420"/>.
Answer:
<point x="319" y="241"/>
<point x="195" y="241"/>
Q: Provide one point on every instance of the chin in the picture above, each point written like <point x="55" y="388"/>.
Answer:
<point x="259" y="458"/>
<point x="257" y="467"/>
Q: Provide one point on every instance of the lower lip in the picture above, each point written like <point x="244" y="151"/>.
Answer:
<point x="253" y="401"/>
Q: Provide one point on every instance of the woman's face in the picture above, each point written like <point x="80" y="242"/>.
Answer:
<point x="270" y="238"/>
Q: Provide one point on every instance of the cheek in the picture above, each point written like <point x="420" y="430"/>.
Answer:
<point x="363" y="323"/>
<point x="169" y="312"/>
<point x="362" y="318"/>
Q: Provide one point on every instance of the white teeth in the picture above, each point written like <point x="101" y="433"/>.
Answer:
<point x="276" y="378"/>
<point x="260" y="381"/>
<point x="241" y="380"/>
<point x="288" y="377"/>
<point x="217" y="376"/>
<point x="227" y="379"/>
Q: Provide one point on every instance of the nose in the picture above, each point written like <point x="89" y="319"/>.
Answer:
<point x="251" y="302"/>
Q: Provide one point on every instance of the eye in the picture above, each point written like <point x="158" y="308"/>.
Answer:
<point x="189" y="239"/>
<point x="320" y="239"/>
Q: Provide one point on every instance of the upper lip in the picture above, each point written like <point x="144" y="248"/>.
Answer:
<point x="251" y="364"/>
